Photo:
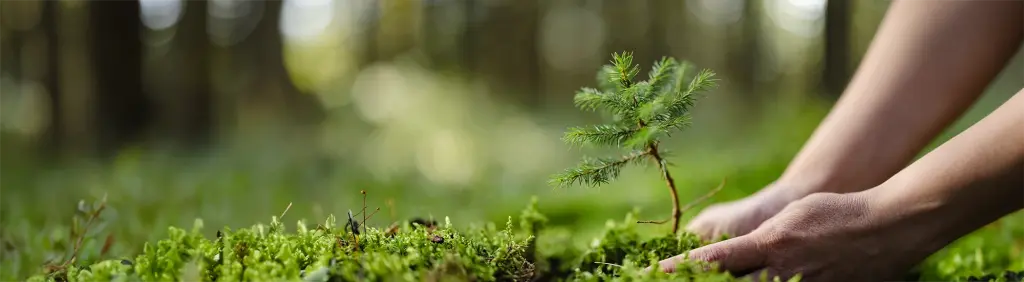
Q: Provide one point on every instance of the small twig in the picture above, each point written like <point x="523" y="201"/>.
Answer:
<point x="370" y="216"/>
<point x="364" y="211"/>
<point x="605" y="263"/>
<point x="286" y="210"/>
<point x="689" y="205"/>
<point x="109" y="242"/>
<point x="81" y="237"/>
<point x="706" y="196"/>
<point x="356" y="240"/>
<point x="663" y="221"/>
<point x="671" y="183"/>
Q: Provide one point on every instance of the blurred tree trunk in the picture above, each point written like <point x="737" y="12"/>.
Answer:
<point x="123" y="110"/>
<point x="466" y="44"/>
<point x="444" y="27"/>
<point x="398" y="28"/>
<point x="501" y="44"/>
<point x="628" y="28"/>
<point x="369" y="35"/>
<point x="14" y="21"/>
<point x="837" y="70"/>
<point x="54" y="134"/>
<point x="272" y="88"/>
<point x="10" y="61"/>
<point x="661" y="13"/>
<point x="745" y="52"/>
<point x="188" y="114"/>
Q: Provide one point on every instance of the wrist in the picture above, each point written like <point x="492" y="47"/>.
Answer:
<point x="792" y="186"/>
<point x="777" y="195"/>
<point x="923" y="224"/>
<point x="803" y="182"/>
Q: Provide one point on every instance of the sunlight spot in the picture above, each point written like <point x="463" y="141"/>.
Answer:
<point x="306" y="19"/>
<point x="717" y="12"/>
<point x="25" y="107"/>
<point x="381" y="94"/>
<point x="446" y="157"/>
<point x="799" y="17"/>
<point x="161" y="14"/>
<point x="231" y="21"/>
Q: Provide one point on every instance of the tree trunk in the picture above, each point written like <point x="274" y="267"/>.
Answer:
<point x="51" y="79"/>
<point x="661" y="13"/>
<point x="272" y="85"/>
<point x="836" y="71"/>
<point x="123" y="110"/>
<point x="745" y="52"/>
<point x="188" y="106"/>
<point x="503" y="48"/>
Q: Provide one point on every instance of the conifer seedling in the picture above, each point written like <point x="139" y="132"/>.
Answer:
<point x="642" y="113"/>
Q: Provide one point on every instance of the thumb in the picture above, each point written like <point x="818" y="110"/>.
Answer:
<point x="738" y="255"/>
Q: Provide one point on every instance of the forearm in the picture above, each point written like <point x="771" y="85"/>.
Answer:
<point x="930" y="60"/>
<point x="972" y="180"/>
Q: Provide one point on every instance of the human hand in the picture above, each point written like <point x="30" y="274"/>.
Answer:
<point x="741" y="216"/>
<point x="822" y="237"/>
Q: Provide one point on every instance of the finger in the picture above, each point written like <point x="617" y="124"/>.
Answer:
<point x="738" y="255"/>
<point x="698" y="228"/>
<point x="701" y="227"/>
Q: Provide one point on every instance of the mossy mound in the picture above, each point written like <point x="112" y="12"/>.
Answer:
<point x="412" y="251"/>
<point x="421" y="250"/>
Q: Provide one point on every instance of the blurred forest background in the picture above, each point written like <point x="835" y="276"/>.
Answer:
<point x="229" y="110"/>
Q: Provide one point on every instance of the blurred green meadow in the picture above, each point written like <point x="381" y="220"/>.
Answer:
<point x="470" y="134"/>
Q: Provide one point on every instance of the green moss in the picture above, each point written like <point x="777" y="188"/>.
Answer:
<point x="410" y="252"/>
<point x="414" y="252"/>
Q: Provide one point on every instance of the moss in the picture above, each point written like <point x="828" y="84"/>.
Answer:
<point x="408" y="252"/>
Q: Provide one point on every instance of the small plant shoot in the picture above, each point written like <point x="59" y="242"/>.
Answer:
<point x="642" y="113"/>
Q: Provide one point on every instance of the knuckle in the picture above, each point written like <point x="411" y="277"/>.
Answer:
<point x="704" y="254"/>
<point x="778" y="237"/>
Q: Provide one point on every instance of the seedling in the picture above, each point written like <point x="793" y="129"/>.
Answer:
<point x="642" y="113"/>
<point x="92" y="215"/>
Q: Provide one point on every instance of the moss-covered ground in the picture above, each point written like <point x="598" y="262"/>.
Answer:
<point x="428" y="250"/>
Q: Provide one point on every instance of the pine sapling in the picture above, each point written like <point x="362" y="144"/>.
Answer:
<point x="643" y="112"/>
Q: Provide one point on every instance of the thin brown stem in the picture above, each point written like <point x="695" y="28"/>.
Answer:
<point x="611" y="264"/>
<point x="703" y="197"/>
<point x="370" y="216"/>
<point x="671" y="183"/>
<point x="356" y="240"/>
<point x="690" y="204"/>
<point x="93" y="215"/>
<point x="363" y="211"/>
<point x="663" y="221"/>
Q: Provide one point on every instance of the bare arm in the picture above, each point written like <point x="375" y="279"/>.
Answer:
<point x="971" y="180"/>
<point x="927" y="64"/>
<point x="929" y="61"/>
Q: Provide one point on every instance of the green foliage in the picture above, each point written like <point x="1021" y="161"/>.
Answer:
<point x="418" y="252"/>
<point x="595" y="171"/>
<point x="410" y="252"/>
<point x="268" y="253"/>
<point x="642" y="113"/>
<point x="995" y="251"/>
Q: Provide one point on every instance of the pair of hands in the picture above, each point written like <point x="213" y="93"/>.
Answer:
<point x="822" y="237"/>
<point x="900" y="98"/>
